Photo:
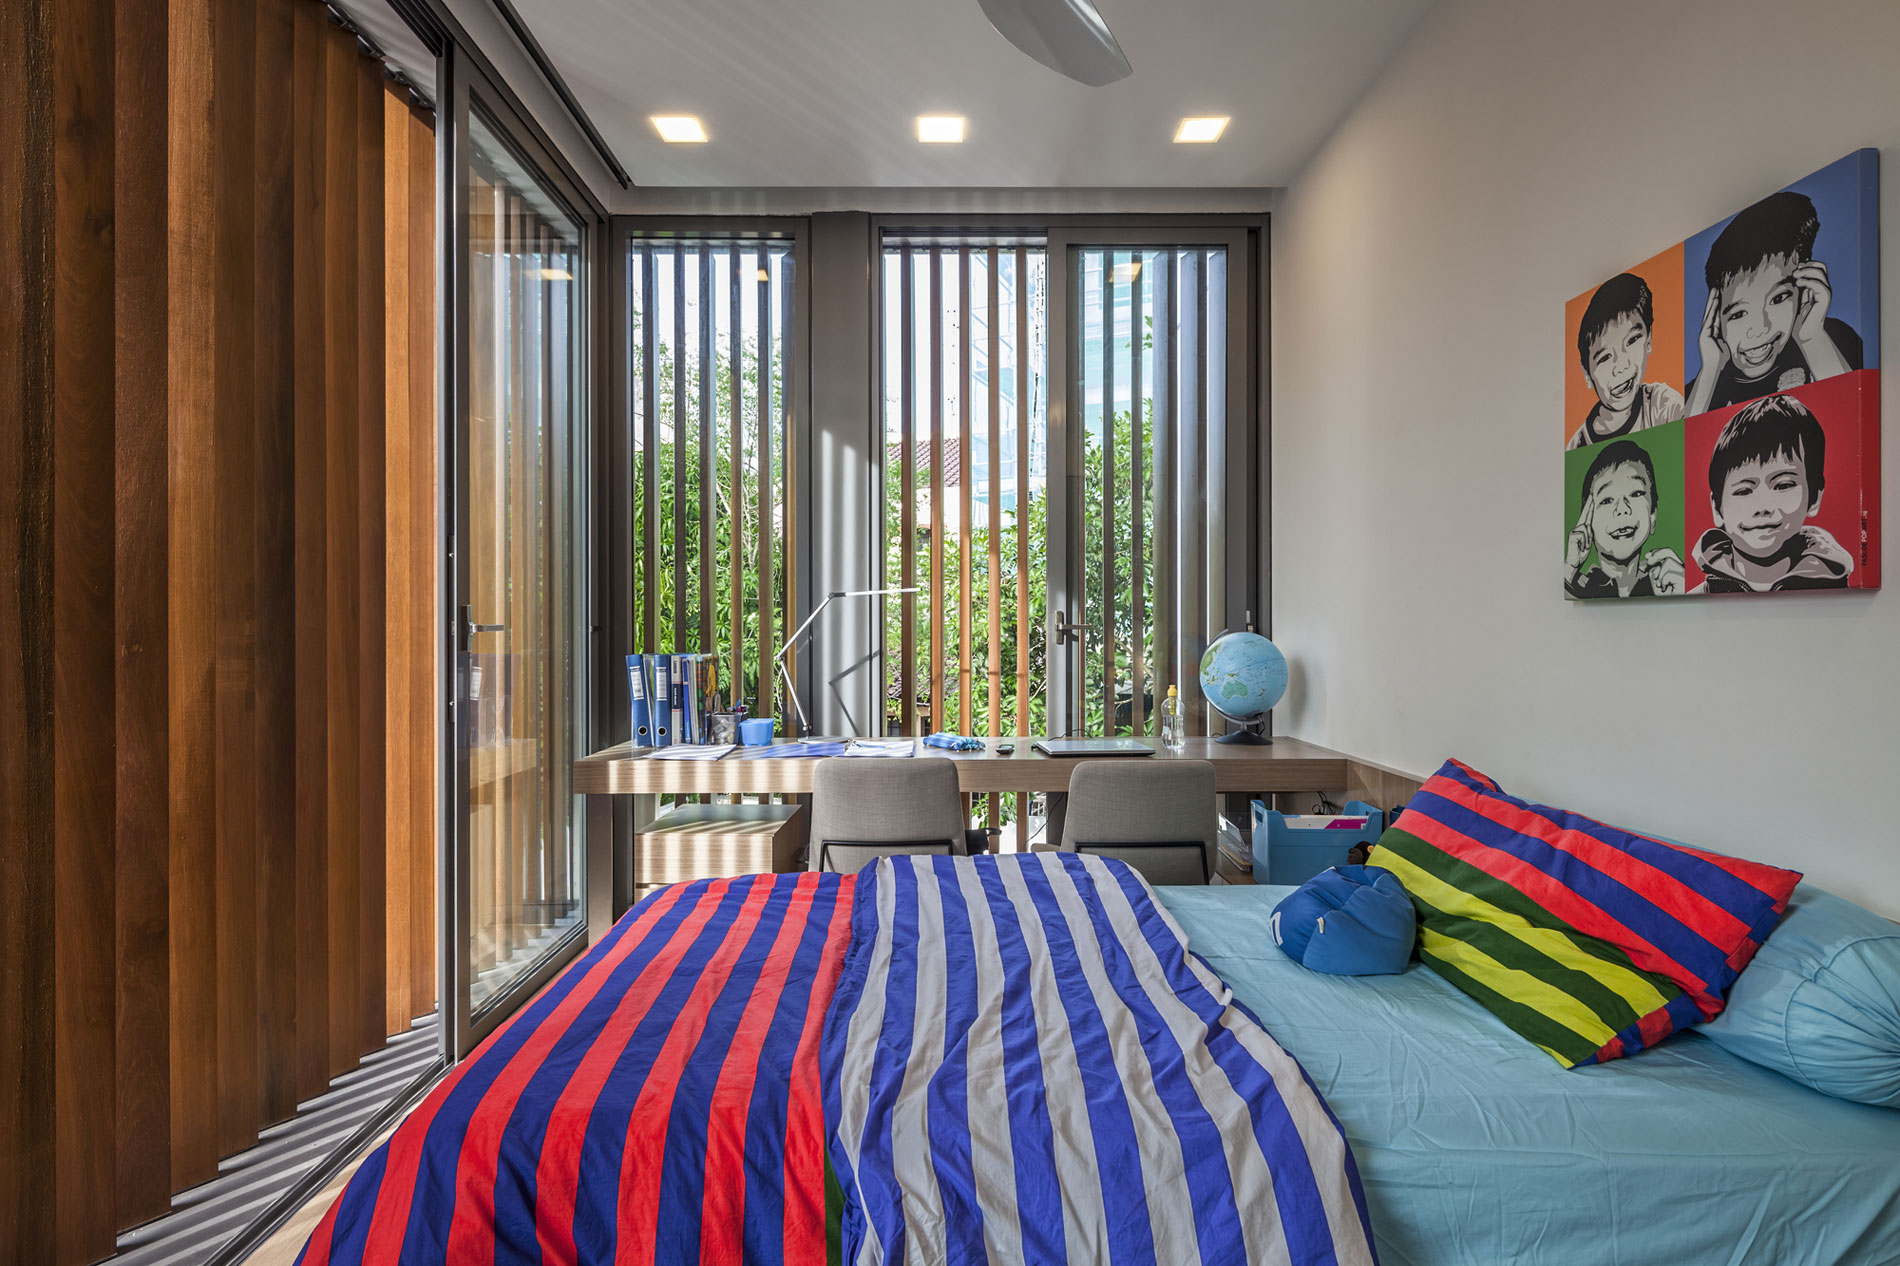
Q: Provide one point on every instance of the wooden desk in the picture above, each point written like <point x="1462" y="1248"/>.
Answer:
<point x="1286" y="765"/>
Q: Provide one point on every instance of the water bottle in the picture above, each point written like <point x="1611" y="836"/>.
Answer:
<point x="1173" y="732"/>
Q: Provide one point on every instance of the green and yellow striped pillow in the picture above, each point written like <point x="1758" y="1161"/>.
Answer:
<point x="1590" y="941"/>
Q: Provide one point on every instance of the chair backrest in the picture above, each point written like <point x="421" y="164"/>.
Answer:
<point x="1157" y="815"/>
<point x="864" y="808"/>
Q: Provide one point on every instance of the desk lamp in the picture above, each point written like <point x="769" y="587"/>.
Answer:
<point x="791" y="644"/>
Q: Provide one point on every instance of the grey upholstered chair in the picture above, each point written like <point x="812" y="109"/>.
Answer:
<point x="1159" y="816"/>
<point x="863" y="809"/>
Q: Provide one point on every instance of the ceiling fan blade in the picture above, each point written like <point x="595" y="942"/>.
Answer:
<point x="1067" y="36"/>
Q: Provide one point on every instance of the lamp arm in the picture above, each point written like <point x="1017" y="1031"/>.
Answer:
<point x="791" y="643"/>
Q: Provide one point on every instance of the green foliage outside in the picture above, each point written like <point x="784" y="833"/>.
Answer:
<point x="676" y="592"/>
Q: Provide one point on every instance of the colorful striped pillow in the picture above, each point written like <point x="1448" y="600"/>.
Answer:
<point x="1591" y="941"/>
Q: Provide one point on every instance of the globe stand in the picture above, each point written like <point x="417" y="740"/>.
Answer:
<point x="1248" y="736"/>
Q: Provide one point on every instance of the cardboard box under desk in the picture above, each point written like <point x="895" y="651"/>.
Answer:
<point x="711" y="841"/>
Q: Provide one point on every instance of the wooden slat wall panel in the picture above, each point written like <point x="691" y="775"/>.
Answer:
<point x="141" y="1037"/>
<point x="371" y="625"/>
<point x="83" y="656"/>
<point x="401" y="431"/>
<point x="420" y="564"/>
<point x="275" y="566"/>
<point x="409" y="376"/>
<point x="193" y="480"/>
<point x="343" y="536"/>
<point x="234" y="586"/>
<point x="27" y="1060"/>
<point x="416" y="802"/>
<point x="193" y="595"/>
<point x="309" y="174"/>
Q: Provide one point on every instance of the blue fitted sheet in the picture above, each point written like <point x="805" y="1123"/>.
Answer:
<point x="1477" y="1149"/>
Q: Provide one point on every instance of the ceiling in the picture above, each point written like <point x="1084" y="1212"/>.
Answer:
<point x="824" y="92"/>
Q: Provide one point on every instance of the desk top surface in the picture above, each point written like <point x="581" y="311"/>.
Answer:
<point x="1287" y="764"/>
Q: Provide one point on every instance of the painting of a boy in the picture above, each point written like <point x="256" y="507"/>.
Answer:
<point x="1616" y="518"/>
<point x="1614" y="341"/>
<point x="1766" y="477"/>
<point x="1767" y="326"/>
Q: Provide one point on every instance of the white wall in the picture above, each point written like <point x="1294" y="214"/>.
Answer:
<point x="1513" y="155"/>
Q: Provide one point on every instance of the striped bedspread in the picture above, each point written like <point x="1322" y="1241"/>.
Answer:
<point x="659" y="1101"/>
<point x="1024" y="1063"/>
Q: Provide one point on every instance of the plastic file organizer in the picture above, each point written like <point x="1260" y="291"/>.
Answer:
<point x="1285" y="854"/>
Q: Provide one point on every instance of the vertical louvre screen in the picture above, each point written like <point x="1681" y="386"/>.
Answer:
<point x="964" y="488"/>
<point x="965" y="492"/>
<point x="1152" y="385"/>
<point x="709" y="325"/>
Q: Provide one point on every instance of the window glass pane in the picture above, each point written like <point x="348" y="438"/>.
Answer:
<point x="707" y="347"/>
<point x="525" y="872"/>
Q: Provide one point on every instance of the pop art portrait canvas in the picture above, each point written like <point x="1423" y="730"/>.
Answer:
<point x="1722" y="404"/>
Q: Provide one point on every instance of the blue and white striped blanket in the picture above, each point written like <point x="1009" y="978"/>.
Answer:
<point x="1024" y="1063"/>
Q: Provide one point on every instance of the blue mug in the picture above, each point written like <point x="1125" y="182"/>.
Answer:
<point x="756" y="732"/>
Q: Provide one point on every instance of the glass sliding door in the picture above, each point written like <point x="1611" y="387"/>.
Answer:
<point x="965" y="492"/>
<point x="1151" y="554"/>
<point x="517" y="897"/>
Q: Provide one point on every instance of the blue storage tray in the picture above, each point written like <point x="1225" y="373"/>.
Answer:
<point x="1290" y="855"/>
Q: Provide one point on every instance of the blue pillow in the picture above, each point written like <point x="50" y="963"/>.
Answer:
<point x="1821" y="1001"/>
<point x="1350" y="921"/>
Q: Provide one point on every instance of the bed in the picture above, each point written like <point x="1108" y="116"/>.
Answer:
<point x="748" y="1070"/>
<point x="1477" y="1149"/>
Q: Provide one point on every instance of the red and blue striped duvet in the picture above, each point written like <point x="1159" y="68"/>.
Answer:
<point x="659" y="1102"/>
<point x="1003" y="1059"/>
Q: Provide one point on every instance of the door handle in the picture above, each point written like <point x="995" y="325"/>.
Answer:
<point x="470" y="628"/>
<point x="1066" y="632"/>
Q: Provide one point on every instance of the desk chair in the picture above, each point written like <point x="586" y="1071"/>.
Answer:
<point x="866" y="808"/>
<point x="1158" y="816"/>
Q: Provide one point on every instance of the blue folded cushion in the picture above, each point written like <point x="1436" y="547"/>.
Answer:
<point x="1820" y="1003"/>
<point x="1349" y="921"/>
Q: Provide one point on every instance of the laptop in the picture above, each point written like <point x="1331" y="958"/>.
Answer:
<point x="1093" y="747"/>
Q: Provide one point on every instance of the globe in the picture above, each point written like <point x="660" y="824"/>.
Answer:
<point x="1242" y="676"/>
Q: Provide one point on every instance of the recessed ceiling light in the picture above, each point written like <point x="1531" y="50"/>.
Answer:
<point x="679" y="129"/>
<point x="940" y="129"/>
<point x="762" y="275"/>
<point x="553" y="274"/>
<point x="1200" y="131"/>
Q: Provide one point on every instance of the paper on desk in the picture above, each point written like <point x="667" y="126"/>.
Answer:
<point x="693" y="751"/>
<point x="882" y="747"/>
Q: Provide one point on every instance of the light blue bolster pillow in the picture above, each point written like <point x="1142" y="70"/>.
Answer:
<point x="1820" y="1003"/>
